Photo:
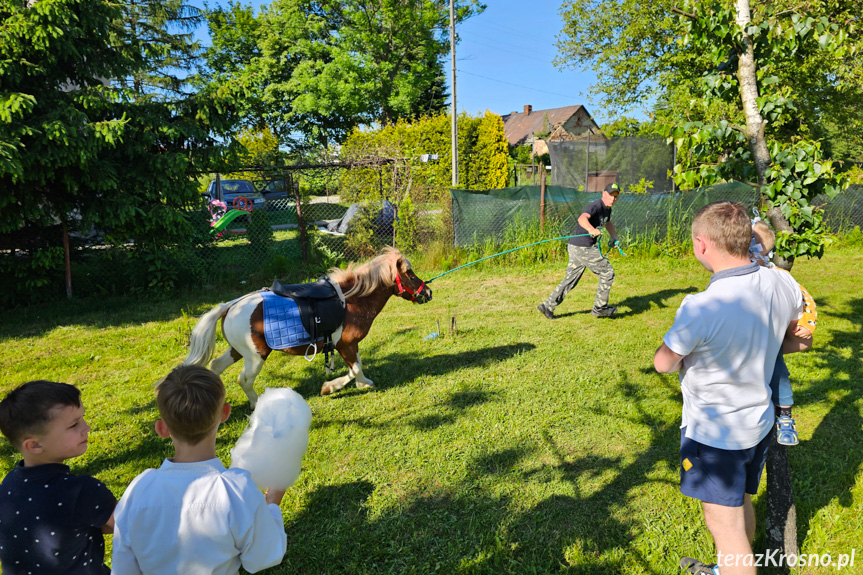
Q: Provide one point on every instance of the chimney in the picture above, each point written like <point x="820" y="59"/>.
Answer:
<point x="527" y="109"/>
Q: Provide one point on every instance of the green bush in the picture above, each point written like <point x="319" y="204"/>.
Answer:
<point x="407" y="226"/>
<point x="259" y="232"/>
<point x="854" y="237"/>
<point x="482" y="164"/>
<point x="31" y="276"/>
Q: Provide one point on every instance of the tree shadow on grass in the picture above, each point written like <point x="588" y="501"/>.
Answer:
<point x="109" y="312"/>
<point x="639" y="304"/>
<point x="438" y="532"/>
<point x="394" y="370"/>
<point x="147" y="450"/>
<point x="448" y="411"/>
<point x="642" y="303"/>
<point x="588" y="522"/>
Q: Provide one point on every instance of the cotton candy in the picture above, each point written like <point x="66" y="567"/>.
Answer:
<point x="272" y="446"/>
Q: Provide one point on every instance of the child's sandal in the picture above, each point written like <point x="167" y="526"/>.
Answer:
<point x="786" y="432"/>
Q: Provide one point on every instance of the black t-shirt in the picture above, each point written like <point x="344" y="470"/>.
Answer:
<point x="598" y="214"/>
<point x="51" y="520"/>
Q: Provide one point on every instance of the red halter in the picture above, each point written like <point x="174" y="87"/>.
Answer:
<point x="403" y="289"/>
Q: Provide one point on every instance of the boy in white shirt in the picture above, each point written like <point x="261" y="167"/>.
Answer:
<point x="724" y="342"/>
<point x="193" y="516"/>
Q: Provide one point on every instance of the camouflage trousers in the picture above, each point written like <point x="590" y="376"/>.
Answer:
<point x="580" y="258"/>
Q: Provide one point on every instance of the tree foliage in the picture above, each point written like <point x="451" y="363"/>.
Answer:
<point x="693" y="55"/>
<point x="491" y="144"/>
<point x="79" y="147"/>
<point x="164" y="44"/>
<point x="397" y="152"/>
<point x="771" y="150"/>
<point x="318" y="69"/>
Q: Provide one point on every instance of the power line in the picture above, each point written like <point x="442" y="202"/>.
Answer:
<point x="518" y="51"/>
<point x="508" y="31"/>
<point x="517" y="85"/>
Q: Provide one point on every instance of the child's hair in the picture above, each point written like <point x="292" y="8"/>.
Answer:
<point x="190" y="402"/>
<point x="764" y="235"/>
<point x="727" y="225"/>
<point x="28" y="408"/>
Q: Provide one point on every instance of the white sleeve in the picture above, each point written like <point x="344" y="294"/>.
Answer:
<point x="260" y="537"/>
<point x="123" y="561"/>
<point x="685" y="335"/>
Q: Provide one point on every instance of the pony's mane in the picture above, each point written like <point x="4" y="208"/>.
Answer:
<point x="370" y="275"/>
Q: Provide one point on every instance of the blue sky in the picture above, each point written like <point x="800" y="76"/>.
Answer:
<point x="504" y="61"/>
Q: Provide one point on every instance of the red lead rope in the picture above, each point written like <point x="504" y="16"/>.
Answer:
<point x="403" y="289"/>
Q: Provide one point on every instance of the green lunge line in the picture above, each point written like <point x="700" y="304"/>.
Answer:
<point x="512" y="250"/>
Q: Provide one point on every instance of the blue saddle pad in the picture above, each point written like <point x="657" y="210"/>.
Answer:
<point x="282" y="325"/>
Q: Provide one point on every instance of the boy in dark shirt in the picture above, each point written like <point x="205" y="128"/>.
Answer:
<point x="50" y="520"/>
<point x="584" y="253"/>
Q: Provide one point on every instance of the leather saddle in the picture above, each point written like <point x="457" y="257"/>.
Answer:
<point x="322" y="312"/>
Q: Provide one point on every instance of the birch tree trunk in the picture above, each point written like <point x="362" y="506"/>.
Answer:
<point x="746" y="75"/>
<point x="781" y="513"/>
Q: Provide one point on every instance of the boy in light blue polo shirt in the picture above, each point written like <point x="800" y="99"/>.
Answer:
<point x="724" y="342"/>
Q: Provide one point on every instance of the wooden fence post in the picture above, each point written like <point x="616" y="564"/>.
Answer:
<point x="541" y="196"/>
<point x="302" y="225"/>
<point x="67" y="260"/>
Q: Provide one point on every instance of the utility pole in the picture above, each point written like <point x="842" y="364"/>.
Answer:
<point x="454" y="123"/>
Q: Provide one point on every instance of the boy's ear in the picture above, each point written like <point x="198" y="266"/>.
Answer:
<point x="162" y="429"/>
<point x="226" y="412"/>
<point x="31" y="445"/>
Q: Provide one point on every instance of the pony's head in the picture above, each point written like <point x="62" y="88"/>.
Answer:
<point x="389" y="268"/>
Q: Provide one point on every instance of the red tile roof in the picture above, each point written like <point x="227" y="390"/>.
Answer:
<point x="519" y="126"/>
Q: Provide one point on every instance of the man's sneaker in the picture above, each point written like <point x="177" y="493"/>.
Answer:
<point x="786" y="432"/>
<point x="697" y="567"/>
<point x="604" y="311"/>
<point x="545" y="311"/>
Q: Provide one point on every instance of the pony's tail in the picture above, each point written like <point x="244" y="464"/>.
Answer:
<point x="202" y="343"/>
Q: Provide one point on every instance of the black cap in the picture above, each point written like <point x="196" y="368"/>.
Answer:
<point x="612" y="188"/>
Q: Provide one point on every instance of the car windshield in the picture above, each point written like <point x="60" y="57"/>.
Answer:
<point x="237" y="188"/>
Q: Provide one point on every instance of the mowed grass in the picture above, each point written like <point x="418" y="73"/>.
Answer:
<point x="516" y="445"/>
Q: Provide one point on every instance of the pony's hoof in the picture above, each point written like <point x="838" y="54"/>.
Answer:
<point x="367" y="385"/>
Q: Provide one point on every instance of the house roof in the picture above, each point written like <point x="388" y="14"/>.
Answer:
<point x="519" y="126"/>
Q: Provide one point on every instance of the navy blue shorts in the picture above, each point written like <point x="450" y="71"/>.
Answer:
<point x="720" y="476"/>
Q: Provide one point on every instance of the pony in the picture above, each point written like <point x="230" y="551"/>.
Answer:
<point x="364" y="289"/>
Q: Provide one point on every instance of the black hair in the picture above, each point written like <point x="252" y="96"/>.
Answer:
<point x="26" y="409"/>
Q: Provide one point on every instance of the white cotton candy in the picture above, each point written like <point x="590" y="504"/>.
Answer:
<point x="272" y="446"/>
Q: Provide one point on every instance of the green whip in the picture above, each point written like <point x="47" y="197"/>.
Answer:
<point x="610" y="245"/>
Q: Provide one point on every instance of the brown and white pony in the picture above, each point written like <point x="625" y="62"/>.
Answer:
<point x="365" y="290"/>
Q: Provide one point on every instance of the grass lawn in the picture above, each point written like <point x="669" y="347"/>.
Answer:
<point x="517" y="445"/>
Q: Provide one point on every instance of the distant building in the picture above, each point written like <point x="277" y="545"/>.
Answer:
<point x="570" y="123"/>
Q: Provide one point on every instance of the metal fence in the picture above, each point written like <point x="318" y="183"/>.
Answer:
<point x="271" y="242"/>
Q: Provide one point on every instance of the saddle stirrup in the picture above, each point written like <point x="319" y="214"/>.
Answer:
<point x="314" y="346"/>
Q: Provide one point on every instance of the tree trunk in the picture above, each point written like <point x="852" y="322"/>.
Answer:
<point x="781" y="521"/>
<point x="781" y="514"/>
<point x="746" y="75"/>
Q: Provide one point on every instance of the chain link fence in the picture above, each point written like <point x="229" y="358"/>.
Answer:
<point x="280" y="239"/>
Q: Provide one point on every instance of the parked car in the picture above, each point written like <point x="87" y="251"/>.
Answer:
<point x="233" y="189"/>
<point x="275" y="189"/>
<point x="277" y="194"/>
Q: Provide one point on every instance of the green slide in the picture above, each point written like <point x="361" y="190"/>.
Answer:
<point x="223" y="222"/>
